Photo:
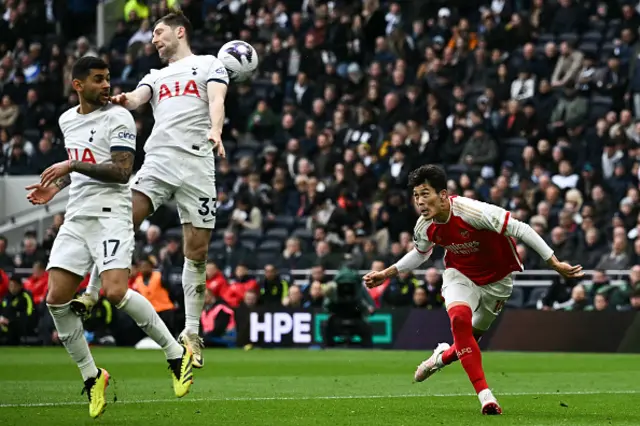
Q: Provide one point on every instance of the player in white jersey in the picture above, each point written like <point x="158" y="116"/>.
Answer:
<point x="480" y="257"/>
<point x="100" y="139"/>
<point x="187" y="98"/>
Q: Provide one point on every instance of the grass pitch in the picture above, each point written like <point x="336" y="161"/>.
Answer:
<point x="41" y="386"/>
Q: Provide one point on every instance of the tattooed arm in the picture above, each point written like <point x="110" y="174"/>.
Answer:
<point x="62" y="182"/>
<point x="117" y="171"/>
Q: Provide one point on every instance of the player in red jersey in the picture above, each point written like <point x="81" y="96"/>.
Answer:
<point x="480" y="257"/>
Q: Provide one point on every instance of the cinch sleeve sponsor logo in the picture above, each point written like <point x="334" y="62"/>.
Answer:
<point x="127" y="136"/>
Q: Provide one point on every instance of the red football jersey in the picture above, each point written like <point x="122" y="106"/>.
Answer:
<point x="475" y="238"/>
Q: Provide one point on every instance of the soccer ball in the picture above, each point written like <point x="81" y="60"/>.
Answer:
<point x="240" y="59"/>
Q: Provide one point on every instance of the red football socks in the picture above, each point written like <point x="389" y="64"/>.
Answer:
<point x="465" y="346"/>
<point x="449" y="355"/>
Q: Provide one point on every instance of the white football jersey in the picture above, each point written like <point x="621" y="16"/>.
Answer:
<point x="90" y="138"/>
<point x="181" y="105"/>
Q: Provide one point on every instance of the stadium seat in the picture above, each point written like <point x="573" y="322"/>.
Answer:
<point x="512" y="149"/>
<point x="218" y="234"/>
<point x="250" y="145"/>
<point x="268" y="258"/>
<point x="602" y="100"/>
<point x="303" y="233"/>
<point x="250" y="235"/>
<point x="216" y="245"/>
<point x="277" y="233"/>
<point x="546" y="38"/>
<point x="517" y="298"/>
<point x="599" y="26"/>
<point x="569" y="37"/>
<point x="173" y="232"/>
<point x="248" y="244"/>
<point x="287" y="222"/>
<point x="536" y="294"/>
<point x="454" y="171"/>
<point x="592" y="37"/>
<point x="270" y="246"/>
<point x="598" y="111"/>
<point x="606" y="49"/>
<point x="32" y="135"/>
<point x="589" y="47"/>
<point x="243" y="152"/>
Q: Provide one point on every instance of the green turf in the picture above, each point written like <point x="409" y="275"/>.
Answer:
<point x="261" y="387"/>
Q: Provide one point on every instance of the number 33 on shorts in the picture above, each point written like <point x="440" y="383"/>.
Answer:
<point x="208" y="208"/>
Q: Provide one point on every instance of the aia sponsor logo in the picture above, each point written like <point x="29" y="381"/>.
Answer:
<point x="177" y="89"/>
<point x="81" y="154"/>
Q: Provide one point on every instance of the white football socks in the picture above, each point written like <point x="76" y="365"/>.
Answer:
<point x="71" y="334"/>
<point x="193" y="283"/>
<point x="143" y="313"/>
<point x="93" y="288"/>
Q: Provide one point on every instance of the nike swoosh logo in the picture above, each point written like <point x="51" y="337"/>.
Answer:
<point x="207" y="220"/>
<point x="106" y="262"/>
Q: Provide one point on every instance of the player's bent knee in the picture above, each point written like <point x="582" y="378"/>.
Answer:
<point x="455" y="304"/>
<point x="62" y="286"/>
<point x="460" y="317"/>
<point x="142" y="208"/>
<point x="114" y="284"/>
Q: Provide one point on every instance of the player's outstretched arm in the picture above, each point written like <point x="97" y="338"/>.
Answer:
<point x="409" y="262"/>
<point x="117" y="171"/>
<point x="39" y="194"/>
<point x="216" y="92"/>
<point x="133" y="100"/>
<point x="527" y="235"/>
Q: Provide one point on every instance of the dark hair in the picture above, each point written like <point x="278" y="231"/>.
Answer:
<point x="83" y="66"/>
<point x="429" y="174"/>
<point x="177" y="19"/>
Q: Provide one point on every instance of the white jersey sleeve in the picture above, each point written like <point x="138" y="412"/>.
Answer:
<point x="491" y="217"/>
<point x="148" y="80"/>
<point x="123" y="131"/>
<point x="420" y="237"/>
<point x="481" y="215"/>
<point x="217" y="72"/>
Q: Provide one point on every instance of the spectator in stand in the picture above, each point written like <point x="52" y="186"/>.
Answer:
<point x="232" y="254"/>
<point x="216" y="281"/>
<point x="4" y="284"/>
<point x="617" y="259"/>
<point x="294" y="298"/>
<point x="151" y="246"/>
<point x="6" y="261"/>
<point x="9" y="113"/>
<point x="315" y="298"/>
<point x="218" y="322"/>
<point x="273" y="288"/>
<point x="16" y="314"/>
<point x="241" y="283"/>
<point x="38" y="283"/>
<point x="399" y="292"/>
<point x="292" y="256"/>
<point x="149" y="283"/>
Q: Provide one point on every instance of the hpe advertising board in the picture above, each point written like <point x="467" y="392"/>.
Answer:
<point x="420" y="329"/>
<point x="303" y="328"/>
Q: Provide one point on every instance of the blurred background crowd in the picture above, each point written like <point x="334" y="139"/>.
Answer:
<point x="533" y="105"/>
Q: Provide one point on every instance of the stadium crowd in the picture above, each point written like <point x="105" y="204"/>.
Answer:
<point x="532" y="105"/>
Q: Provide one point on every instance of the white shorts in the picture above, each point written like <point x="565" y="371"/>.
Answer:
<point x="107" y="242"/>
<point x="486" y="301"/>
<point x="188" y="178"/>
